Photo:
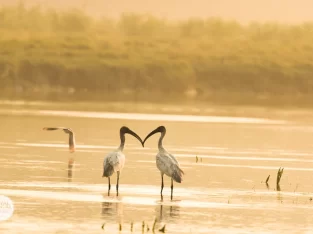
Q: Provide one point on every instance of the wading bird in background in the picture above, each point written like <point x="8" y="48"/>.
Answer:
<point x="166" y="162"/>
<point x="71" y="146"/>
<point x="114" y="161"/>
<point x="71" y="139"/>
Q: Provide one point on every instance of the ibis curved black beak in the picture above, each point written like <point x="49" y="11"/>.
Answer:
<point x="133" y="134"/>
<point x="150" y="134"/>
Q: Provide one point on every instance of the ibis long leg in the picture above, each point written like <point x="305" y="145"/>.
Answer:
<point x="172" y="189"/>
<point x="109" y="186"/>
<point x="162" y="185"/>
<point x="118" y="179"/>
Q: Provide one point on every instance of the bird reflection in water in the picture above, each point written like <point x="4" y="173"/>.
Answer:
<point x="70" y="169"/>
<point x="166" y="214"/>
<point x="112" y="210"/>
<point x="107" y="209"/>
<point x="71" y="145"/>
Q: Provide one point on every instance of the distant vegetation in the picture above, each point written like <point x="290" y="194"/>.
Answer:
<point x="68" y="55"/>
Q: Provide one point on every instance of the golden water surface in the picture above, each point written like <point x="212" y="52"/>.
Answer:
<point x="226" y="161"/>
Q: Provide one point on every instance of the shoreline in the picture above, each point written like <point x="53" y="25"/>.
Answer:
<point x="270" y="113"/>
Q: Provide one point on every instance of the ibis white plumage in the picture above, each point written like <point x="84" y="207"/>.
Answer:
<point x="166" y="162"/>
<point x="114" y="161"/>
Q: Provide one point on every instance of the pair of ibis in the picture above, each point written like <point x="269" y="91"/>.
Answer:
<point x="114" y="161"/>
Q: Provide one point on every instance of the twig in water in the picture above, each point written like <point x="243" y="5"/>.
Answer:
<point x="267" y="179"/>
<point x="266" y="182"/>
<point x="153" y="227"/>
<point x="162" y="229"/>
<point x="131" y="226"/>
<point x="279" y="175"/>
<point x="143" y="226"/>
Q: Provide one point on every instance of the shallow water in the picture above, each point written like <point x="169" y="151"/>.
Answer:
<point x="222" y="192"/>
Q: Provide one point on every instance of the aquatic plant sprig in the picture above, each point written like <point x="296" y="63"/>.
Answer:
<point x="267" y="179"/>
<point x="279" y="175"/>
<point x="154" y="223"/>
<point x="266" y="182"/>
<point x="162" y="229"/>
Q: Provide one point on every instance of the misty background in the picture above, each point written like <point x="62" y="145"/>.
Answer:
<point x="244" y="11"/>
<point x="212" y="52"/>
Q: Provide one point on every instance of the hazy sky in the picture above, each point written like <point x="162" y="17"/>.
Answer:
<point x="289" y="11"/>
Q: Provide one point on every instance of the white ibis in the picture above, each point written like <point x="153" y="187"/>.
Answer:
<point x="114" y="161"/>
<point x="166" y="162"/>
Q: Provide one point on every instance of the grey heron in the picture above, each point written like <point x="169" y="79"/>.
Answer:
<point x="166" y="162"/>
<point x="114" y="161"/>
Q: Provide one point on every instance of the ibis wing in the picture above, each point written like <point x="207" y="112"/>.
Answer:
<point x="108" y="169"/>
<point x="168" y="165"/>
<point x="114" y="161"/>
<point x="173" y="158"/>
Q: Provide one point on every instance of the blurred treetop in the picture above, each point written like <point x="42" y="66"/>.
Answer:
<point x="144" y="54"/>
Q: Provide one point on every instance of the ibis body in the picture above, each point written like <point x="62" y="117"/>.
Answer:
<point x="115" y="161"/>
<point x="166" y="162"/>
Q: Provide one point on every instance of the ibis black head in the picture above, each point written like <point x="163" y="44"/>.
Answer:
<point x="125" y="130"/>
<point x="160" y="129"/>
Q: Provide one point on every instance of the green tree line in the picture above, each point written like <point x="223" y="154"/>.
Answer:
<point x="48" y="54"/>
